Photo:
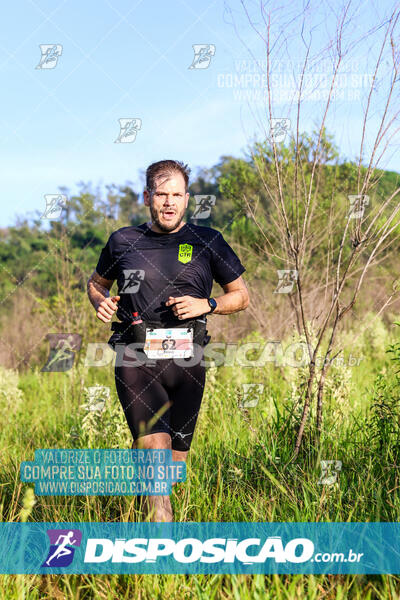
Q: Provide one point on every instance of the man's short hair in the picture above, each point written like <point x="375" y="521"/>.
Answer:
<point x="166" y="167"/>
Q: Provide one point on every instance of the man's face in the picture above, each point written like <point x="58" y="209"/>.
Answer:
<point x="168" y="202"/>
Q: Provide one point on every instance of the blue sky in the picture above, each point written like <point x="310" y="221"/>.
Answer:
<point x="131" y="59"/>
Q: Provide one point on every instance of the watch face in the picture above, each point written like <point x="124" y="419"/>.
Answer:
<point x="212" y="303"/>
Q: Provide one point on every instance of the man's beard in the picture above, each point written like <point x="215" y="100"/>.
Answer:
<point x="163" y="227"/>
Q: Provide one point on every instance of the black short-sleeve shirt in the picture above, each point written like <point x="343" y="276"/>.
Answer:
<point x="149" y="267"/>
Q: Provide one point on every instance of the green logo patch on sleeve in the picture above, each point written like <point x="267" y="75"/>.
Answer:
<point x="185" y="253"/>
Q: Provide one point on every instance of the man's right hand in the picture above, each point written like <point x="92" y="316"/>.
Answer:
<point x="107" y="308"/>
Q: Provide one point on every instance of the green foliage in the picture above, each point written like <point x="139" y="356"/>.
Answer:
<point x="384" y="422"/>
<point x="235" y="472"/>
<point x="11" y="396"/>
<point x="100" y="421"/>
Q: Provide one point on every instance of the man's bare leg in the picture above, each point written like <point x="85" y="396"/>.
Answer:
<point x="158" y="508"/>
<point x="178" y="455"/>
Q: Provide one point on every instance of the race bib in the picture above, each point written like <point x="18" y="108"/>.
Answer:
<point x="169" y="343"/>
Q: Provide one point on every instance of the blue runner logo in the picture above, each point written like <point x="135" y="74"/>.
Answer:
<point x="61" y="551"/>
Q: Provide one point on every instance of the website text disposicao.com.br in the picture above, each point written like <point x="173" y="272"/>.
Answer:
<point x="212" y="550"/>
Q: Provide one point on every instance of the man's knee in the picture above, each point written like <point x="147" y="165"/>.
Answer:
<point x="154" y="441"/>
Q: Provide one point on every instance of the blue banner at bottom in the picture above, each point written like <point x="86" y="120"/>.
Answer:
<point x="226" y="548"/>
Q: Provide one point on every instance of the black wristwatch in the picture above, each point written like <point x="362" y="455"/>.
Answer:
<point x="212" y="304"/>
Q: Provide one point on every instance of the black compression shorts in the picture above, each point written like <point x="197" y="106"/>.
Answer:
<point x="164" y="397"/>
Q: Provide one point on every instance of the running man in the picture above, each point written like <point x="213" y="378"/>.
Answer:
<point x="179" y="261"/>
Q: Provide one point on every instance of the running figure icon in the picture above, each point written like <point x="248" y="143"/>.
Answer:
<point x="62" y="549"/>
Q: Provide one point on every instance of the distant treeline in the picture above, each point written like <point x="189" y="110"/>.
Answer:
<point x="46" y="263"/>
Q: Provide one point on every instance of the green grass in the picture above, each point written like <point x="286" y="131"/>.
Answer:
<point x="236" y="471"/>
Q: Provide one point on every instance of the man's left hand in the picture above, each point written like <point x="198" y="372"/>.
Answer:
<point x="187" y="307"/>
